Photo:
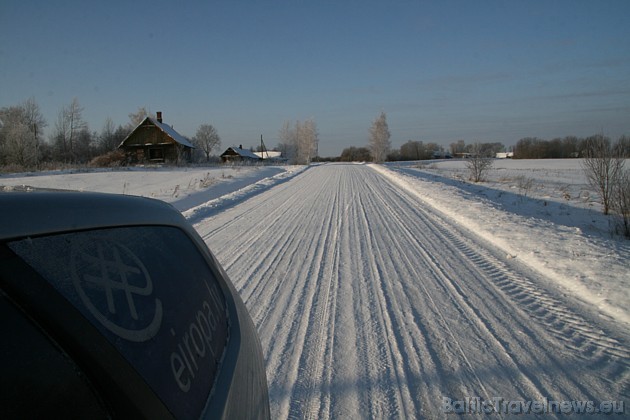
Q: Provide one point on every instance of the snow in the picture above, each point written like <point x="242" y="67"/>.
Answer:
<point x="184" y="188"/>
<point x="556" y="226"/>
<point x="378" y="290"/>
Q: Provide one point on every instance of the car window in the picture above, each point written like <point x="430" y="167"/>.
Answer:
<point x="33" y="367"/>
<point x="150" y="292"/>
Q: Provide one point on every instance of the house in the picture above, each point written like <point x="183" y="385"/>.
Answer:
<point x="154" y="141"/>
<point x="238" y="154"/>
<point x="505" y="155"/>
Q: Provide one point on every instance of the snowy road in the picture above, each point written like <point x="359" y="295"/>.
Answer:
<point x="370" y="304"/>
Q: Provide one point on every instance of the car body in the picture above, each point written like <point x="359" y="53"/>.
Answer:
<point x="113" y="306"/>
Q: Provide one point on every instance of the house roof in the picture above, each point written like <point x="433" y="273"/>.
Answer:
<point x="241" y="152"/>
<point x="170" y="131"/>
<point x="268" y="154"/>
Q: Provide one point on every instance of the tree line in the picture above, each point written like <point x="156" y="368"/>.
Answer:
<point x="561" y="148"/>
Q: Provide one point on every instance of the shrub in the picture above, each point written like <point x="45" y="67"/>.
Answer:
<point x="112" y="159"/>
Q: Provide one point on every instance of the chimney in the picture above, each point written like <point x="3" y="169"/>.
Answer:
<point x="240" y="146"/>
<point x="159" y="117"/>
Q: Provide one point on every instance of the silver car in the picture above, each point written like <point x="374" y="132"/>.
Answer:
<point x="113" y="306"/>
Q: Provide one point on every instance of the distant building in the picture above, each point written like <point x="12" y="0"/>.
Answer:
<point x="269" y="154"/>
<point x="238" y="154"/>
<point x="154" y="141"/>
<point x="505" y="155"/>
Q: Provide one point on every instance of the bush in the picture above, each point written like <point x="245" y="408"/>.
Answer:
<point x="109" y="160"/>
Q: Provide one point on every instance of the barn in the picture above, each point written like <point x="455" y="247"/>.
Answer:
<point x="154" y="141"/>
<point x="238" y="154"/>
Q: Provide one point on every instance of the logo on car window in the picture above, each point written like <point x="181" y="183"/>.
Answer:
<point x="115" y="286"/>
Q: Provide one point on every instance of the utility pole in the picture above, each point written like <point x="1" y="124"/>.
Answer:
<point x="263" y="149"/>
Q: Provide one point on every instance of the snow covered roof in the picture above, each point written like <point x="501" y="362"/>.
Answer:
<point x="268" y="154"/>
<point x="170" y="131"/>
<point x="241" y="152"/>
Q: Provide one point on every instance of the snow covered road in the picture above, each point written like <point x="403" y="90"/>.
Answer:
<point x="371" y="304"/>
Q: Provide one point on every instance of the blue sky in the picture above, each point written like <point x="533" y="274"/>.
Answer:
<point x="441" y="71"/>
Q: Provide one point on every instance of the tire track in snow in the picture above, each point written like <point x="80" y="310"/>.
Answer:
<point x="370" y="304"/>
<point x="567" y="323"/>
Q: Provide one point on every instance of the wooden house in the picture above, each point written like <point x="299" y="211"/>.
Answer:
<point x="238" y="154"/>
<point x="154" y="141"/>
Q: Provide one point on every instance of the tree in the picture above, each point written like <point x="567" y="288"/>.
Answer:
<point x="379" y="143"/>
<point x="412" y="150"/>
<point x="603" y="165"/>
<point x="207" y="139"/>
<point x="355" y="154"/>
<point x="36" y="124"/>
<point x="479" y="163"/>
<point x="458" y="147"/>
<point x="135" y="118"/>
<point x="621" y="201"/>
<point x="299" y="143"/>
<point x="307" y="141"/>
<point x="288" y="143"/>
<point x="67" y="128"/>
<point x="110" y="138"/>
<point x="20" y="134"/>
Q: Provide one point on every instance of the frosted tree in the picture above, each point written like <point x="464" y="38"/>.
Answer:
<point x="20" y="134"/>
<point x="379" y="144"/>
<point x="299" y="143"/>
<point x="307" y="141"/>
<point x="207" y="139"/>
<point x="288" y="142"/>
<point x="135" y="118"/>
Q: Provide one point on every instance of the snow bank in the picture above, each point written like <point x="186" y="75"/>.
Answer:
<point x="565" y="241"/>
<point x="184" y="188"/>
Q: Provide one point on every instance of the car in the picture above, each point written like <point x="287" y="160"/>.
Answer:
<point x="113" y="306"/>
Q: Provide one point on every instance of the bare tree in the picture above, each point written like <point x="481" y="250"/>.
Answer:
<point x="603" y="165"/>
<point x="479" y="163"/>
<point x="207" y="139"/>
<point x="36" y="124"/>
<point x="379" y="143"/>
<point x="67" y="128"/>
<point x="621" y="201"/>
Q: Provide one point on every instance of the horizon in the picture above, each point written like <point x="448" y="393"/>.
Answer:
<point x="442" y="72"/>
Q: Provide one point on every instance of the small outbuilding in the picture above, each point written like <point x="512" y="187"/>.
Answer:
<point x="154" y="141"/>
<point x="238" y="154"/>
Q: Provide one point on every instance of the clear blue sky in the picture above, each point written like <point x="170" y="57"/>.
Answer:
<point x="441" y="71"/>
